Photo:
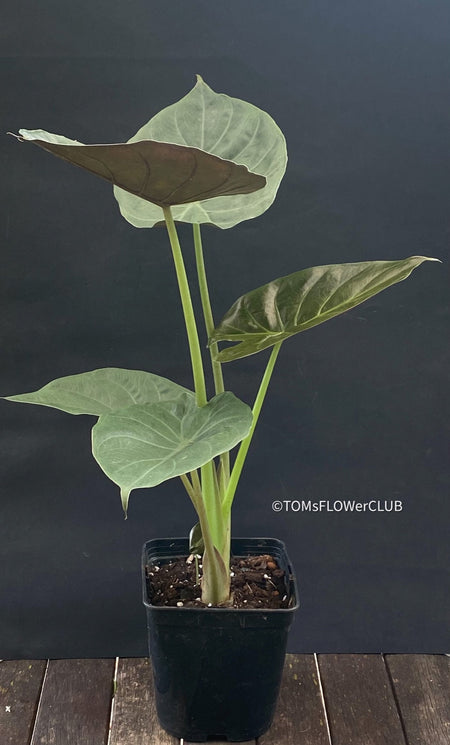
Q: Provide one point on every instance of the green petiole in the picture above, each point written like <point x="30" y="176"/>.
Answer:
<point x="188" y="310"/>
<point x="245" y="444"/>
<point x="224" y="472"/>
<point x="205" y="496"/>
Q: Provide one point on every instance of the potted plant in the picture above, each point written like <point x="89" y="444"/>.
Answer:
<point x="212" y="159"/>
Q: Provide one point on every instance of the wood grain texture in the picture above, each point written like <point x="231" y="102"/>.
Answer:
<point x="134" y="720"/>
<point x="219" y="742"/>
<point x="75" y="703"/>
<point x="300" y="716"/>
<point x="422" y="688"/>
<point x="402" y="700"/>
<point x="20" y="687"/>
<point x="359" y="700"/>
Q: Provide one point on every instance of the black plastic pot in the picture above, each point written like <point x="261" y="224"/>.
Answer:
<point x="217" y="671"/>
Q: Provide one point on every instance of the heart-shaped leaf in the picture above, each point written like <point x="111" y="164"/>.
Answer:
<point x="103" y="391"/>
<point x="226" y="127"/>
<point x="159" y="172"/>
<point x="304" y="299"/>
<point x="150" y="443"/>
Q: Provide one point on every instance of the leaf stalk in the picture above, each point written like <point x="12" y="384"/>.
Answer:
<point x="188" y="310"/>
<point x="245" y="444"/>
<point x="209" y="326"/>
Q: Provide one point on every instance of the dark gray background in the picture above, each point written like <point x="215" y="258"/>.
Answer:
<point x="357" y="407"/>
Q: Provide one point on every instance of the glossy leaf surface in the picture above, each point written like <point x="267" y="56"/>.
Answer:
<point x="229" y="128"/>
<point x="147" y="444"/>
<point x="101" y="391"/>
<point x="302" y="300"/>
<point x="160" y="172"/>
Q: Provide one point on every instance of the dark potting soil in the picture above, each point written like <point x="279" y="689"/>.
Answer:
<point x="256" y="582"/>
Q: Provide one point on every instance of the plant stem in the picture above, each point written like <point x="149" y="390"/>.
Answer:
<point x="209" y="325"/>
<point x="194" y="495"/>
<point x="188" y="310"/>
<point x="216" y="575"/>
<point x="245" y="444"/>
<point x="196" y="481"/>
<point x="212" y="507"/>
<point x="213" y="504"/>
<point x="206" y="499"/>
<point x="189" y="488"/>
<point x="206" y="306"/>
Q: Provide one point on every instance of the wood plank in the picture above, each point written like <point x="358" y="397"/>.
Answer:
<point x="20" y="686"/>
<point x="300" y="716"/>
<point x="359" y="700"/>
<point x="422" y="687"/>
<point x="219" y="742"/>
<point x="75" y="703"/>
<point x="134" y="720"/>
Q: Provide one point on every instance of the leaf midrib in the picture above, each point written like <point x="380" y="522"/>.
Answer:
<point x="313" y="321"/>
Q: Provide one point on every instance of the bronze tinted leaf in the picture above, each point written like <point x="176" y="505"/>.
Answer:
<point x="159" y="172"/>
<point x="291" y="304"/>
<point x="224" y="126"/>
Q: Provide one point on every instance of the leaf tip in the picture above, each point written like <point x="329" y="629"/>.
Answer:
<point x="125" y="496"/>
<point x="427" y="258"/>
<point x="25" y="134"/>
<point x="200" y="83"/>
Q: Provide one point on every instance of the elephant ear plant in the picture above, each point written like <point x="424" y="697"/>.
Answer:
<point x="218" y="160"/>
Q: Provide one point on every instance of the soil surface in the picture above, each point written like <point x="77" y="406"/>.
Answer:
<point x="256" y="582"/>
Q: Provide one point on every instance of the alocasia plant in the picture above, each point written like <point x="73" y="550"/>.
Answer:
<point x="209" y="159"/>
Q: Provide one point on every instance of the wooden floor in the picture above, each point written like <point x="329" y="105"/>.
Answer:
<point x="325" y="699"/>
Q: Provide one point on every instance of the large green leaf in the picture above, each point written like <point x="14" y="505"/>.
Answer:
<point x="103" y="391"/>
<point x="150" y="443"/>
<point x="304" y="299"/>
<point x="159" y="172"/>
<point x="226" y="127"/>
